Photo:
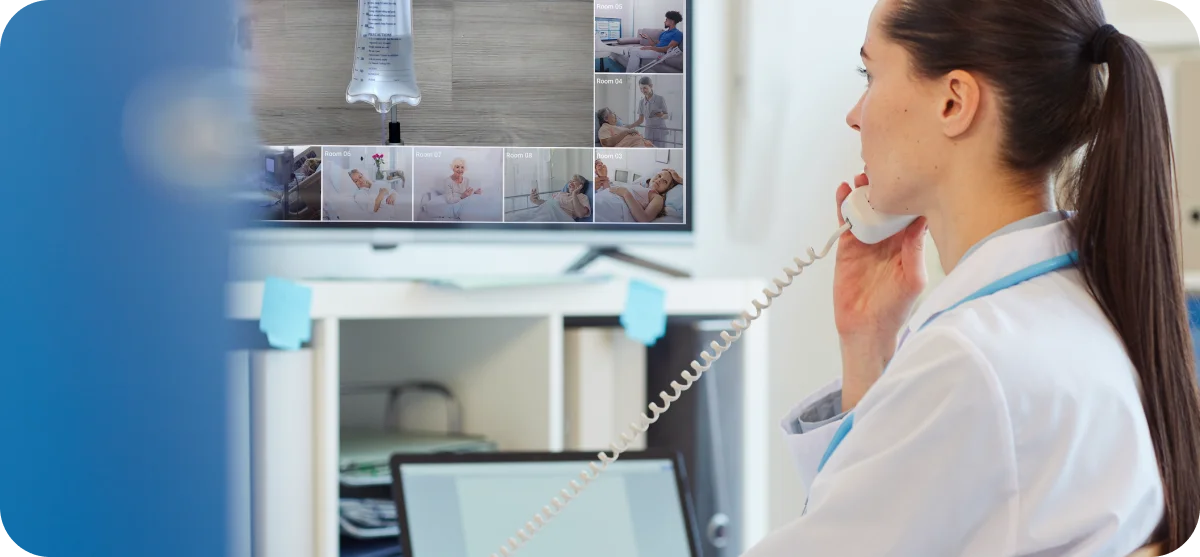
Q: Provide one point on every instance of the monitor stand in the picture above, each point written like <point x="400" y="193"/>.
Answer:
<point x="616" y="253"/>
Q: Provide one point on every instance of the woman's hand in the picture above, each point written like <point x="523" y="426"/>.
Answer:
<point x="874" y="289"/>
<point x="574" y="188"/>
<point x="619" y="190"/>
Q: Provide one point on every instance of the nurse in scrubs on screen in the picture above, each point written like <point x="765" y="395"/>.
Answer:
<point x="1042" y="399"/>
<point x="652" y="111"/>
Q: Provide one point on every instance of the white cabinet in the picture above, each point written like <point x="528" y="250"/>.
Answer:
<point x="524" y="381"/>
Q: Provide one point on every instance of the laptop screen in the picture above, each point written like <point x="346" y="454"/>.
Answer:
<point x="470" y="509"/>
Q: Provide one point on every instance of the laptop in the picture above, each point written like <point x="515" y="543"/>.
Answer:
<point x="468" y="505"/>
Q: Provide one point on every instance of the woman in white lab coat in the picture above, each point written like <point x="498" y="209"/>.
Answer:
<point x="1042" y="399"/>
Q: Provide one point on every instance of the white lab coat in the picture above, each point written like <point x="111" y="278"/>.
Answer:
<point x="1009" y="426"/>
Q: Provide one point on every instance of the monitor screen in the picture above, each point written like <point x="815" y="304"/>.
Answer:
<point x="466" y="509"/>
<point x="491" y="116"/>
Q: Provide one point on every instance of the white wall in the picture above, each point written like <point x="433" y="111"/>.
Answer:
<point x="395" y="158"/>
<point x="650" y="14"/>
<point x="525" y="168"/>
<point x="642" y="161"/>
<point x="401" y="158"/>
<point x="566" y="163"/>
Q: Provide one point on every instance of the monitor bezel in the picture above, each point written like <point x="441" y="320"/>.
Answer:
<point x="478" y="231"/>
<point x="675" y="457"/>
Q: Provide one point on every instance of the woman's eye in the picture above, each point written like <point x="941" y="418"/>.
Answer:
<point x="863" y="72"/>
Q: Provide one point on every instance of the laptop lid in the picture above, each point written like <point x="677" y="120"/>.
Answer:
<point x="468" y="505"/>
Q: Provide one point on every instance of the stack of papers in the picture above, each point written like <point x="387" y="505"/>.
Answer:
<point x="365" y="455"/>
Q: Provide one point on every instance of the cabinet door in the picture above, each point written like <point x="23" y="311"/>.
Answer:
<point x="705" y="425"/>
<point x="1184" y="88"/>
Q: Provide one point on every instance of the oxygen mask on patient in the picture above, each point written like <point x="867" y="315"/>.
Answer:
<point x="384" y="74"/>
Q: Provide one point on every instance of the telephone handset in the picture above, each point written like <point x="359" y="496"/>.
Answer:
<point x="869" y="226"/>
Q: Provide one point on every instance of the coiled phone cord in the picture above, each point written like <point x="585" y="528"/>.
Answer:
<point x="643" y="421"/>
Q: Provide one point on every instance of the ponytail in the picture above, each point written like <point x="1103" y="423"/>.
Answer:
<point x="1127" y="237"/>
<point x="1045" y="56"/>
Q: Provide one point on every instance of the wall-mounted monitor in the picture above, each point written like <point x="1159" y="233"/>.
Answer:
<point x="608" y="28"/>
<point x="523" y="131"/>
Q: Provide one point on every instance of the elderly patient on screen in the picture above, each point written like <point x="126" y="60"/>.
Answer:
<point x="457" y="186"/>
<point x="574" y="202"/>
<point x="645" y="203"/>
<point x="611" y="134"/>
<point x="367" y="189"/>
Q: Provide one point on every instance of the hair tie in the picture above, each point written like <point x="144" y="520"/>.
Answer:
<point x="1098" y="45"/>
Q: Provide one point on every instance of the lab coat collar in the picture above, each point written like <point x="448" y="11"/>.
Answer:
<point x="994" y="259"/>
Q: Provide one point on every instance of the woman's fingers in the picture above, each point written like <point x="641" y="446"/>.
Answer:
<point x="842" y="192"/>
<point x="915" y="233"/>
<point x="913" y="244"/>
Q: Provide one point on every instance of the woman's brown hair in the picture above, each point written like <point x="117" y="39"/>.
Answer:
<point x="1047" y="60"/>
<point x="650" y="182"/>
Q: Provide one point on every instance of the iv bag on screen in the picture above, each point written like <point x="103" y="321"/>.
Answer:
<point x="384" y="74"/>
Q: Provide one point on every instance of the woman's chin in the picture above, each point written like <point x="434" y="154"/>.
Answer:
<point x="882" y="202"/>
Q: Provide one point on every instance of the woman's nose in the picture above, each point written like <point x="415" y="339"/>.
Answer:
<point x="852" y="118"/>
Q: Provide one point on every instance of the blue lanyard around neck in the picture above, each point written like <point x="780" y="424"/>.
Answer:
<point x="1036" y="270"/>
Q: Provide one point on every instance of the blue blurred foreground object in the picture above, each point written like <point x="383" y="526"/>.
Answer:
<point x="645" y="315"/>
<point x="286" y="317"/>
<point x="114" y="335"/>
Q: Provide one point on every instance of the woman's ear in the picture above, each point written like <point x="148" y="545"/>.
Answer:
<point x="960" y="94"/>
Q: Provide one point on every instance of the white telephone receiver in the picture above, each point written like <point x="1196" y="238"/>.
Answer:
<point x="869" y="226"/>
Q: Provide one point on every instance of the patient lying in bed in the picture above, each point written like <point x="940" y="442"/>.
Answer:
<point x="645" y="203"/>
<point x="370" y="197"/>
<point x="573" y="202"/>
